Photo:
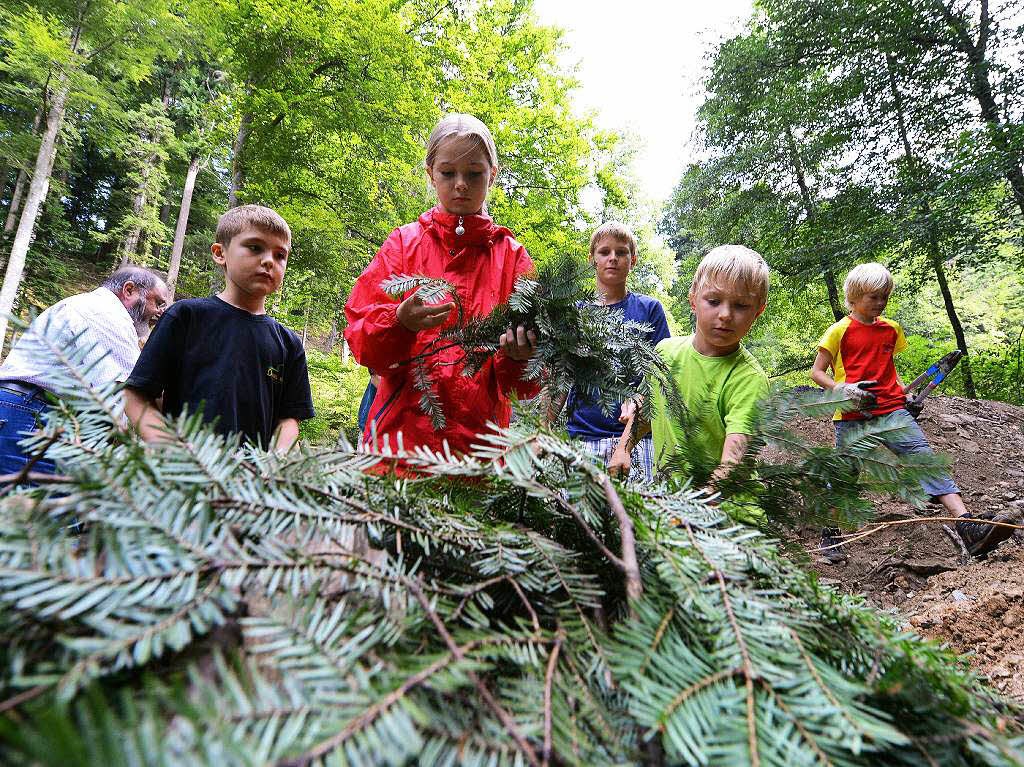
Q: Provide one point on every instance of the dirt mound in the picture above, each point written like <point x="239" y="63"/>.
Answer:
<point x="979" y="609"/>
<point x="923" y="570"/>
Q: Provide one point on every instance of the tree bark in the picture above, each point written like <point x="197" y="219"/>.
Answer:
<point x="332" y="337"/>
<point x="19" y="185"/>
<point x="237" y="171"/>
<point x="36" y="195"/>
<point x="981" y="89"/>
<point x="811" y="211"/>
<point x="165" y="217"/>
<point x="182" y="225"/>
<point x="934" y="248"/>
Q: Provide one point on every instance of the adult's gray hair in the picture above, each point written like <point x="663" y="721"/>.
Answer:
<point x="144" y="279"/>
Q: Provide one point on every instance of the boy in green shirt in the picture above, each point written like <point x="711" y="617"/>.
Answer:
<point x="720" y="382"/>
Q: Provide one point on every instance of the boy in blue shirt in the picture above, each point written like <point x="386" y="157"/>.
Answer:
<point x="613" y="255"/>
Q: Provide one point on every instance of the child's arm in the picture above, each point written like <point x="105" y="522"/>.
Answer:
<point x="285" y="435"/>
<point x="377" y="332"/>
<point x="554" y="407"/>
<point x="819" y="371"/>
<point x="620" y="461"/>
<point x="733" y="450"/>
<point x="143" y="415"/>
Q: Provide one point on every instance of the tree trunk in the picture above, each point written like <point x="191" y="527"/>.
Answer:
<point x="935" y="255"/>
<point x="182" y="225"/>
<point x="19" y="185"/>
<point x="934" y="249"/>
<point x="981" y="88"/>
<point x="305" y="322"/>
<point x="165" y="216"/>
<point x="16" y="195"/>
<point x="809" y="209"/>
<point x="36" y="194"/>
<point x="131" y="241"/>
<point x="332" y="337"/>
<point x="237" y="171"/>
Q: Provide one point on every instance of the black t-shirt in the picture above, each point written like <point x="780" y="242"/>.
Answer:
<point x="246" y="370"/>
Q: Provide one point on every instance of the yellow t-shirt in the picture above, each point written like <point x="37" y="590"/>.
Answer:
<point x="865" y="353"/>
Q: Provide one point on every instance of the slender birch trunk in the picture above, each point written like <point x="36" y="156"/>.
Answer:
<point x="36" y="195"/>
<point x="934" y="248"/>
<point x="19" y="185"/>
<point x="182" y="225"/>
<point x="811" y="211"/>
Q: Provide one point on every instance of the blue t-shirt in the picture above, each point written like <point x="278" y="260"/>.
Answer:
<point x="588" y="421"/>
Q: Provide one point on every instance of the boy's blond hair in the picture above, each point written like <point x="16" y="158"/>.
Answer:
<point x="233" y="222"/>
<point x="616" y="230"/>
<point x="866" y="278"/>
<point x="734" y="267"/>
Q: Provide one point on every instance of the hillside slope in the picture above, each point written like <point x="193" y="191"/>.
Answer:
<point x="921" y="570"/>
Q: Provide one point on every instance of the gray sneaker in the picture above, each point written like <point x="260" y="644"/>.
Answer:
<point x="980" y="538"/>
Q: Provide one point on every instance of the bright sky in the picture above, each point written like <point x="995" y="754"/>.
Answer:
<point x="639" y="64"/>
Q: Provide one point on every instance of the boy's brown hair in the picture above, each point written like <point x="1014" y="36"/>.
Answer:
<point x="616" y="230"/>
<point x="234" y="221"/>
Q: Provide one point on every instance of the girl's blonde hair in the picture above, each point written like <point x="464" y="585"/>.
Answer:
<point x="458" y="125"/>
<point x="734" y="267"/>
<point x="866" y="278"/>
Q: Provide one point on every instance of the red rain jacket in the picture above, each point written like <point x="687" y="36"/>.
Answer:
<point x="483" y="264"/>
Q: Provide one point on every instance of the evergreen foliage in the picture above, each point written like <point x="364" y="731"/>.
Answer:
<point x="578" y="342"/>
<point x="199" y="602"/>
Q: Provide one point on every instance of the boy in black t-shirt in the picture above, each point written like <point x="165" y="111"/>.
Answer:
<point x="223" y="354"/>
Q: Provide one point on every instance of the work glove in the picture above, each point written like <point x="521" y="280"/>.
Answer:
<point x="859" y="393"/>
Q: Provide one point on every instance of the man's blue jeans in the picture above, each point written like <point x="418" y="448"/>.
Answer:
<point x="19" y="416"/>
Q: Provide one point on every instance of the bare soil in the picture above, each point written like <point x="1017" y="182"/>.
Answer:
<point x="922" y="570"/>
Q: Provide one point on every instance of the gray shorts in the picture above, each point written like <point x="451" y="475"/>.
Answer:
<point x="913" y="442"/>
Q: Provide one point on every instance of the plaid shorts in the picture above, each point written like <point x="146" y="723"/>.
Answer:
<point x="640" y="469"/>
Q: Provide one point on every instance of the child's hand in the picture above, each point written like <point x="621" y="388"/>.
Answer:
<point x="518" y="344"/>
<point x="858" y="396"/>
<point x="416" y="315"/>
<point x="620" y="462"/>
<point x="628" y="410"/>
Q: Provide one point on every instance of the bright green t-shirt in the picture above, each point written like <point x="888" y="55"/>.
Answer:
<point x="720" y="394"/>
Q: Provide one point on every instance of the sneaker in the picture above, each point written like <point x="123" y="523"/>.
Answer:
<point x="830" y="536"/>
<point x="980" y="538"/>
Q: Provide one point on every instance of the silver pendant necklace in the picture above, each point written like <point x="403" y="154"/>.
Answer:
<point x="460" y="229"/>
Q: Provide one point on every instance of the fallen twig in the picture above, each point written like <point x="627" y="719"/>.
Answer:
<point x="548" y="681"/>
<point x="851" y="537"/>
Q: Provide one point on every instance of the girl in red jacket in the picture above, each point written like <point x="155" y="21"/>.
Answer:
<point x="458" y="241"/>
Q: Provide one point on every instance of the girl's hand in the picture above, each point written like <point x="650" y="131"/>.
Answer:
<point x="518" y="344"/>
<point x="416" y="315"/>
